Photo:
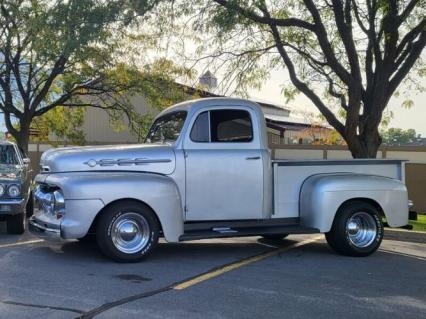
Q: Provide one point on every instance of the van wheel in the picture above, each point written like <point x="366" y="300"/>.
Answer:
<point x="127" y="231"/>
<point x="357" y="230"/>
<point x="274" y="236"/>
<point x="15" y="224"/>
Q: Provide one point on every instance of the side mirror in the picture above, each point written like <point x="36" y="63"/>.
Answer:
<point x="26" y="161"/>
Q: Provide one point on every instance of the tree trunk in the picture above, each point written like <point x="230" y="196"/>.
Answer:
<point x="22" y="138"/>
<point x="365" y="145"/>
<point x="21" y="133"/>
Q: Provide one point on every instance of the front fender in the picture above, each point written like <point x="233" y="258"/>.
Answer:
<point x="322" y="195"/>
<point x="157" y="191"/>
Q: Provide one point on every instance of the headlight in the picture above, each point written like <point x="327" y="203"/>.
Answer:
<point x="14" y="190"/>
<point x="2" y="189"/>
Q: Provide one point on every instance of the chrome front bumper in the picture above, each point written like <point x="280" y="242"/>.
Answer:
<point x="44" y="222"/>
<point x="73" y="222"/>
<point x="44" y="231"/>
<point x="12" y="206"/>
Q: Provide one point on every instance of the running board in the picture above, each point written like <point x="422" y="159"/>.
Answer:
<point x="223" y="232"/>
<point x="251" y="223"/>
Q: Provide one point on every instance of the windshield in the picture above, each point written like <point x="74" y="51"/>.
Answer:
<point x="166" y="129"/>
<point x="8" y="155"/>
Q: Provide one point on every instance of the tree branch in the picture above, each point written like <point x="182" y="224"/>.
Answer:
<point x="303" y="87"/>
<point x="325" y="44"/>
<point x="344" y="26"/>
<point x="67" y="96"/>
<point x="408" y="9"/>
<point x="56" y="70"/>
<point x="405" y="67"/>
<point x="289" y="22"/>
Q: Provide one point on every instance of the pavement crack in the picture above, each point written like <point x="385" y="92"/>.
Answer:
<point x="188" y="282"/>
<point x="23" y="304"/>
<point x="96" y="311"/>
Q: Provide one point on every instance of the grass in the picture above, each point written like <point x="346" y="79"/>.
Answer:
<point x="420" y="223"/>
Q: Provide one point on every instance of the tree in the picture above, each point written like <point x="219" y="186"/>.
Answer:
<point x="347" y="56"/>
<point x="64" y="53"/>
<point x="62" y="122"/>
<point x="398" y="136"/>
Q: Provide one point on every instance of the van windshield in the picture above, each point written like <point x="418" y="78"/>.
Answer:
<point x="166" y="129"/>
<point x="8" y="155"/>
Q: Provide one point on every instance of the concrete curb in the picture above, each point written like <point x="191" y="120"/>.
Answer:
<point x="404" y="230"/>
<point x="405" y="235"/>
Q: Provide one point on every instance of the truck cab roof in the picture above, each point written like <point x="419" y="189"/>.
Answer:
<point x="195" y="107"/>
<point x="224" y="102"/>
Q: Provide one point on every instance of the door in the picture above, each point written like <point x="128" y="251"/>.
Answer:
<point x="224" y="170"/>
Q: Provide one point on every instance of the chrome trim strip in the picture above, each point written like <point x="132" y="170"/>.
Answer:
<point x="12" y="201"/>
<point x="125" y="162"/>
<point x="43" y="228"/>
<point x="336" y="162"/>
<point x="44" y="232"/>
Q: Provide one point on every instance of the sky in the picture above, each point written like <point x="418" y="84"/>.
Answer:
<point x="415" y="117"/>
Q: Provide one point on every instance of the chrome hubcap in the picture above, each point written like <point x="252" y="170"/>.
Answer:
<point x="361" y="229"/>
<point x="130" y="233"/>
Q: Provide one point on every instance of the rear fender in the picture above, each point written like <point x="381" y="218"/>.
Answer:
<point x="322" y="195"/>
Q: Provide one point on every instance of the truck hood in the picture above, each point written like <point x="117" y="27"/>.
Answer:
<point x="142" y="157"/>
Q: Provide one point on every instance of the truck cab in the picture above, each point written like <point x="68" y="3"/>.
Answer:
<point x="223" y="149"/>
<point x="205" y="171"/>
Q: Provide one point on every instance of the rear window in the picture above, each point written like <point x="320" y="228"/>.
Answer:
<point x="230" y="126"/>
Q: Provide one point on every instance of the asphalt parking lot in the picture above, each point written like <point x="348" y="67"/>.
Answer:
<point x="234" y="278"/>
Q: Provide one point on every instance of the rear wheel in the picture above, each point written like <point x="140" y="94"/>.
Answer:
<point x="274" y="236"/>
<point x="357" y="230"/>
<point x="15" y="224"/>
<point x="127" y="231"/>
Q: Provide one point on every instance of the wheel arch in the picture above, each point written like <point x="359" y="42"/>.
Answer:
<point x="95" y="221"/>
<point x="368" y="200"/>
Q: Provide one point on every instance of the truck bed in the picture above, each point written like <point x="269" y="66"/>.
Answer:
<point x="289" y="175"/>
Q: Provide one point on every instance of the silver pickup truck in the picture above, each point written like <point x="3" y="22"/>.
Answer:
<point x="205" y="171"/>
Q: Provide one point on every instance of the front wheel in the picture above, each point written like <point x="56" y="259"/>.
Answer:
<point x="15" y="224"/>
<point x="357" y="230"/>
<point x="127" y="231"/>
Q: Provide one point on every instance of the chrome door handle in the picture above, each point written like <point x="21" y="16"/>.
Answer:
<point x="253" y="158"/>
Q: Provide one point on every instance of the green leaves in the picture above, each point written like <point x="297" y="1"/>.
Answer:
<point x="397" y="136"/>
<point x="58" y="57"/>
<point x="61" y="123"/>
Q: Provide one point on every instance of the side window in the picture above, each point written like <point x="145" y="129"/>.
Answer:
<point x="231" y="126"/>
<point x="200" y="129"/>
